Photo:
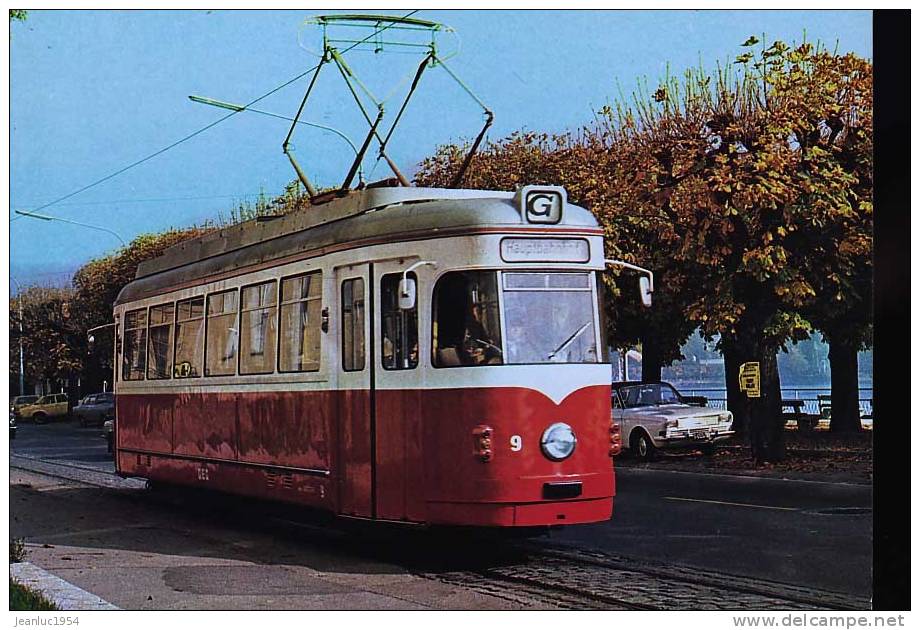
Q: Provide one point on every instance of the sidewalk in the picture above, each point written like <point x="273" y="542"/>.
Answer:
<point x="807" y="459"/>
<point x="114" y="548"/>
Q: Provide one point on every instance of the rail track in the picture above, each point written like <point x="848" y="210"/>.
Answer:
<point x="524" y="572"/>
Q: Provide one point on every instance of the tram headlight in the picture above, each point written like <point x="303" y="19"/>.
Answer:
<point x="558" y="441"/>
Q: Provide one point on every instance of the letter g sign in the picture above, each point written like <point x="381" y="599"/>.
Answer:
<point x="543" y="206"/>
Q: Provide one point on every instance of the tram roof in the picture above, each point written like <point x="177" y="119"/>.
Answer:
<point x="373" y="213"/>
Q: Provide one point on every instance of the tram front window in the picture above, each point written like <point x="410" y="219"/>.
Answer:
<point x="549" y="318"/>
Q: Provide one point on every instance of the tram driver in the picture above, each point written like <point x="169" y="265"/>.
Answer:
<point x="478" y="347"/>
<point x="467" y="320"/>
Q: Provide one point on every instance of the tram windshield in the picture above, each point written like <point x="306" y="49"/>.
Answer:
<point x="548" y="318"/>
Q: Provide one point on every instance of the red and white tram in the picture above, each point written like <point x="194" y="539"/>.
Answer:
<point x="402" y="354"/>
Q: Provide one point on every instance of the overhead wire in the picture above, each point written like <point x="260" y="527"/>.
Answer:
<point x="156" y="199"/>
<point x="199" y="131"/>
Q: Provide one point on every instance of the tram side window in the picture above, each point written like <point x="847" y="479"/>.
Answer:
<point x="257" y="329"/>
<point x="189" y="333"/>
<point x="465" y="328"/>
<point x="353" y="325"/>
<point x="159" y="346"/>
<point x="301" y="306"/>
<point x="399" y="328"/>
<point x="134" y="357"/>
<point x="222" y="335"/>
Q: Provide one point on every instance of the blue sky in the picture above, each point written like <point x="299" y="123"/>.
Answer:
<point x="93" y="91"/>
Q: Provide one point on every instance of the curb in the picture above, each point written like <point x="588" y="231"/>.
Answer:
<point x="788" y="480"/>
<point x="62" y="594"/>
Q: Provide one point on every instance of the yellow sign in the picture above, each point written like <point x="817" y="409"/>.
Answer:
<point x="749" y="379"/>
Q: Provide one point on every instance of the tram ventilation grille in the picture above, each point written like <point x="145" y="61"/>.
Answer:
<point x="283" y="481"/>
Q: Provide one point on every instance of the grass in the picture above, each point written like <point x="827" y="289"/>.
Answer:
<point x="24" y="598"/>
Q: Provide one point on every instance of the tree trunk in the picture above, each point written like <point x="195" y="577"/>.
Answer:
<point x="844" y="386"/>
<point x="651" y="358"/>
<point x="73" y="392"/>
<point x="767" y="430"/>
<point x="762" y="417"/>
<point x="735" y="399"/>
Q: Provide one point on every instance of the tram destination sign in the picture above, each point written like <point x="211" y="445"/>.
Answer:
<point x="515" y="250"/>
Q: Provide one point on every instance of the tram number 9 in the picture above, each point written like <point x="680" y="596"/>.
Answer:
<point x="516" y="443"/>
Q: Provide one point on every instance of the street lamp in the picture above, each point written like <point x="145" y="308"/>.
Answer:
<point x="22" y="363"/>
<point x="45" y="217"/>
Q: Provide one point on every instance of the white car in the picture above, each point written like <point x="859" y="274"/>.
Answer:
<point x="655" y="415"/>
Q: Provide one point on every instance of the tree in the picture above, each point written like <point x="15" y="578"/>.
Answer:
<point x="51" y="342"/>
<point x="828" y="111"/>
<point x="647" y="142"/>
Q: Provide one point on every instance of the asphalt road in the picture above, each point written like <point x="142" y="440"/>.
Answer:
<point x="816" y="535"/>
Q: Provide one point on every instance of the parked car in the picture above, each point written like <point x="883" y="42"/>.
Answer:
<point x="655" y="415"/>
<point x="95" y="408"/>
<point x="12" y="425"/>
<point x="20" y="401"/>
<point x="45" y="408"/>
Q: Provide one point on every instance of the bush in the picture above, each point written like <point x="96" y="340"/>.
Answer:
<point x="17" y="550"/>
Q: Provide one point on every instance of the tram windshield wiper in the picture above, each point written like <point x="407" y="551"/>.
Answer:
<point x="568" y="342"/>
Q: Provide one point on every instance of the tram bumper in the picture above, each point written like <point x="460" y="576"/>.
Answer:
<point x="521" y="514"/>
<point x="533" y="501"/>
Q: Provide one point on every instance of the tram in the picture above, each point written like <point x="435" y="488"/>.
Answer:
<point x="418" y="355"/>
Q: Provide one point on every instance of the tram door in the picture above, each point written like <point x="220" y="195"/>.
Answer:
<point x="399" y="472"/>
<point x="354" y="285"/>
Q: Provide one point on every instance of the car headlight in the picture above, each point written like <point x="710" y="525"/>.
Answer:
<point x="725" y="416"/>
<point x="558" y="441"/>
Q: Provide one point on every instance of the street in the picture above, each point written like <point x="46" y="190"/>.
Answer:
<point x="798" y="539"/>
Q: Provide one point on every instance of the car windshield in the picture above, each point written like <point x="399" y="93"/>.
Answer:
<point x="549" y="318"/>
<point x="23" y="400"/>
<point x="649" y="394"/>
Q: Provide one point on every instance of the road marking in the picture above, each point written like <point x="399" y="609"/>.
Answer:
<point x="750" y="505"/>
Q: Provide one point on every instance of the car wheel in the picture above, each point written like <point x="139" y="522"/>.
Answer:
<point x="39" y="418"/>
<point x="643" y="447"/>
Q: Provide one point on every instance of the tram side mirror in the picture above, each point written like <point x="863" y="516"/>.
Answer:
<point x="645" y="291"/>
<point x="407" y="294"/>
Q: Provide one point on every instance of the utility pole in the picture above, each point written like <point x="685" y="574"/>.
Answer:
<point x="22" y="381"/>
